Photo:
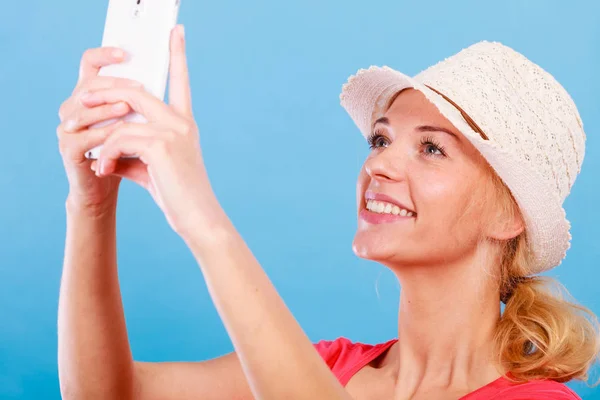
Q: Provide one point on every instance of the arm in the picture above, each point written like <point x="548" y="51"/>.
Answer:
<point x="277" y="358"/>
<point x="221" y="378"/>
<point x="94" y="357"/>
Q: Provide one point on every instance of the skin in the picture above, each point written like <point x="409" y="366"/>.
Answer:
<point x="448" y="302"/>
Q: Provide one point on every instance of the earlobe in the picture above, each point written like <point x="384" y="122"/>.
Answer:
<point x="507" y="229"/>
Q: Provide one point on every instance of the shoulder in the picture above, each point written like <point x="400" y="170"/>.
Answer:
<point x="345" y="357"/>
<point x="342" y="348"/>
<point x="333" y="351"/>
<point x="537" y="390"/>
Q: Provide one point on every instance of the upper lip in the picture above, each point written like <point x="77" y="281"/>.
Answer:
<point x="370" y="195"/>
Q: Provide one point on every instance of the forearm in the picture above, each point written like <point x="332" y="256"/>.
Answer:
<point x="94" y="357"/>
<point x="278" y="359"/>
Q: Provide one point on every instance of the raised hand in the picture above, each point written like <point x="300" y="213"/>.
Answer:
<point x="169" y="164"/>
<point x="75" y="137"/>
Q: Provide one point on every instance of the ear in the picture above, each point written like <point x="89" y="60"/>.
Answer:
<point x="506" y="228"/>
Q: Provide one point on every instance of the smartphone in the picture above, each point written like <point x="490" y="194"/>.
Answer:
<point x="142" y="28"/>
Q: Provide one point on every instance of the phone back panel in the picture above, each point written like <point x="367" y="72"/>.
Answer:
<point x="143" y="31"/>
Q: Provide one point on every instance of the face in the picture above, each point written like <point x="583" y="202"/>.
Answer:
<point x="423" y="191"/>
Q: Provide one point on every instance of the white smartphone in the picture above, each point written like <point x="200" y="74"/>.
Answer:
<point x="142" y="28"/>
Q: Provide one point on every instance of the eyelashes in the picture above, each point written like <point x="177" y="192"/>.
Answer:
<point x="429" y="146"/>
<point x="429" y="143"/>
<point x="375" y="140"/>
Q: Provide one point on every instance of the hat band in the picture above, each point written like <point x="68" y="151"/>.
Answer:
<point x="466" y="116"/>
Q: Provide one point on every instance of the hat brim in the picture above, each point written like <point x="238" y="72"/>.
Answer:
<point x="365" y="96"/>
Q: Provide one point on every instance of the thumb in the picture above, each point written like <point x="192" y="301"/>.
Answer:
<point x="180" y="97"/>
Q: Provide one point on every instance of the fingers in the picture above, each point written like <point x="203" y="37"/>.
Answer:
<point x="138" y="140"/>
<point x="94" y="59"/>
<point x="97" y="83"/>
<point x="132" y="169"/>
<point x="180" y="97"/>
<point x="107" y="82"/>
<point x="74" y="146"/>
<point x="139" y="100"/>
<point x="84" y="117"/>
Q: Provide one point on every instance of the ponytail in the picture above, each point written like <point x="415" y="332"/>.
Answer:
<point x="543" y="336"/>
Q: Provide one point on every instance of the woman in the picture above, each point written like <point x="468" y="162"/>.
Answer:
<point x="464" y="205"/>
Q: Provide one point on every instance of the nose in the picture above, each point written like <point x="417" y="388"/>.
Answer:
<point x="385" y="166"/>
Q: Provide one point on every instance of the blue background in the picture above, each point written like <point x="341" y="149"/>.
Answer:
<point x="282" y="155"/>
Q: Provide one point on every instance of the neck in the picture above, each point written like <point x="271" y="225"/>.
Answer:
<point x="445" y="328"/>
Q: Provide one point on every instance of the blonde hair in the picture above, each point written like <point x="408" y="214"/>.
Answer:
<point x="540" y="334"/>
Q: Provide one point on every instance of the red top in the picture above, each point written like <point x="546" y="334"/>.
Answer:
<point x="345" y="359"/>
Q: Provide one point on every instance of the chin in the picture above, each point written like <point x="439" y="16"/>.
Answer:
<point x="396" y="253"/>
<point x="374" y="247"/>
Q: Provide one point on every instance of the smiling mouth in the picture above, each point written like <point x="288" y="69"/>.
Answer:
<point x="383" y="207"/>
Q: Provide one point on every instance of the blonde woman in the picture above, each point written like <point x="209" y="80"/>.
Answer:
<point x="461" y="197"/>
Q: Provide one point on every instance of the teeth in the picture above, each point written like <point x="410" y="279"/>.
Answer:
<point x="382" y="207"/>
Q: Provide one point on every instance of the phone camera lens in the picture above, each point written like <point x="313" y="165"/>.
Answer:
<point x="138" y="9"/>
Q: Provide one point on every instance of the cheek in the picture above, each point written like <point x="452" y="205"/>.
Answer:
<point x="361" y="185"/>
<point x="443" y="195"/>
<point x="432" y="189"/>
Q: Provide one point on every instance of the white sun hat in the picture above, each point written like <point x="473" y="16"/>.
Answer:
<point x="530" y="131"/>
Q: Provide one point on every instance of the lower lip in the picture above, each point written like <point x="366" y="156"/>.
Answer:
<point x="375" y="218"/>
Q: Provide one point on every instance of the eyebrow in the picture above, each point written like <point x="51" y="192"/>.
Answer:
<point x="420" y="128"/>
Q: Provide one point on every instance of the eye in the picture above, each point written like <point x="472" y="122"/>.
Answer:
<point x="377" y="140"/>
<point x="432" y="148"/>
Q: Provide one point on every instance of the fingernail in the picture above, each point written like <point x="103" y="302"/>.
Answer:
<point x="100" y="170"/>
<point x="181" y="31"/>
<point x="93" y="166"/>
<point x="118" y="53"/>
<point x="70" y="125"/>
<point x="137" y="84"/>
<point x="82" y="95"/>
<point x="85" y="96"/>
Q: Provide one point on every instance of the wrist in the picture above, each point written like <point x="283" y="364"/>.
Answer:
<point x="207" y="232"/>
<point x="79" y="208"/>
